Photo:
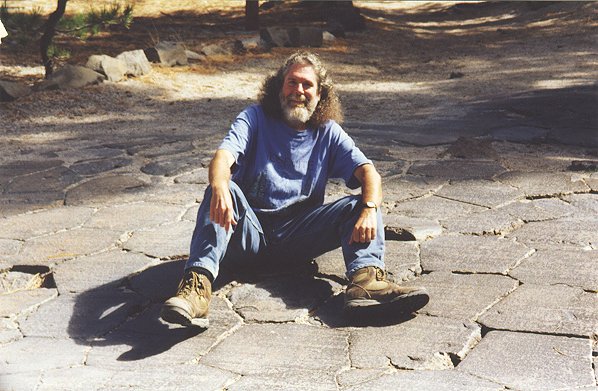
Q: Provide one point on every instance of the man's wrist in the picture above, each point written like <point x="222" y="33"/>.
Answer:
<point x="370" y="205"/>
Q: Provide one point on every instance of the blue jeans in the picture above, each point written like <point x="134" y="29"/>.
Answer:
<point x="302" y="235"/>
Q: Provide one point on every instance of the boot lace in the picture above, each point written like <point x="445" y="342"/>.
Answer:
<point x="191" y="283"/>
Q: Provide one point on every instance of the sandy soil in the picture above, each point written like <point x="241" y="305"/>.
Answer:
<point x="397" y="71"/>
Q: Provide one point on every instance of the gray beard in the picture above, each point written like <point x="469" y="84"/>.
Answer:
<point x="297" y="116"/>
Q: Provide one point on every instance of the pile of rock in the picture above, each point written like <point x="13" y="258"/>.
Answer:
<point x="138" y="62"/>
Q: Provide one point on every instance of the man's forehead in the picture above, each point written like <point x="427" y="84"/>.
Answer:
<point x="303" y="71"/>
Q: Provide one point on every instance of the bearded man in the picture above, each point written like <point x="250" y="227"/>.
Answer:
<point x="266" y="193"/>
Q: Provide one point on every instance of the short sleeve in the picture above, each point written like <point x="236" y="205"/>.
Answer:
<point x="346" y="157"/>
<point x="238" y="139"/>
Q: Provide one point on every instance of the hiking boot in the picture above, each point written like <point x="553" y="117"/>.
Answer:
<point x="190" y="305"/>
<point x="369" y="288"/>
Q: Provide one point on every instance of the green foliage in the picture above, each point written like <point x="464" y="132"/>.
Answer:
<point x="23" y="26"/>
<point x="58" y="53"/>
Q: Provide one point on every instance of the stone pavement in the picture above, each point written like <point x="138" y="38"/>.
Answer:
<point x="496" y="214"/>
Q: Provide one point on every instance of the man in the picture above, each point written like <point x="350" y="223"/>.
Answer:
<point x="266" y="193"/>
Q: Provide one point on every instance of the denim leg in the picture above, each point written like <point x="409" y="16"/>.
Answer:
<point x="210" y="242"/>
<point x="326" y="228"/>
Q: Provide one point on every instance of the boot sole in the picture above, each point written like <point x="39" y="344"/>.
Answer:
<point x="400" y="305"/>
<point x="175" y="315"/>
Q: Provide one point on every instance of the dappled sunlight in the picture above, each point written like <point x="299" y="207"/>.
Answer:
<point x="561" y="83"/>
<point x="395" y="86"/>
<point x="468" y="22"/>
<point x="88" y="119"/>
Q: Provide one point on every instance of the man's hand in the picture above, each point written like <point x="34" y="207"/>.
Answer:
<point x="221" y="207"/>
<point x="364" y="230"/>
<point x="221" y="204"/>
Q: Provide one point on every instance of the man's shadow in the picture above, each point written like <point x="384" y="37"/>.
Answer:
<point x="126" y="311"/>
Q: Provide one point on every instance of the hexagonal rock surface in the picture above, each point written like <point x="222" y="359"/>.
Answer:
<point x="8" y="249"/>
<point x="398" y="189"/>
<point x="332" y="264"/>
<point x="584" y="203"/>
<point x="525" y="361"/>
<point x="106" y="190"/>
<point x="84" y="273"/>
<point x="472" y="254"/>
<point x="457" y="169"/>
<point x="279" y="299"/>
<point x="575" y="231"/>
<point x="29" y="225"/>
<point x="39" y="354"/>
<point x="147" y="341"/>
<point x="52" y="248"/>
<point x="461" y="296"/>
<point x="421" y="229"/>
<point x="483" y="193"/>
<point x="538" y="210"/>
<point x="250" y="382"/>
<point x="199" y="176"/>
<point x="302" y="355"/>
<point x="25" y="301"/>
<point x="542" y="184"/>
<point x="54" y="180"/>
<point x="178" y="194"/>
<point x="402" y="260"/>
<point x="555" y="309"/>
<point x="422" y="343"/>
<point x="492" y="221"/>
<point x="428" y="380"/>
<point x="131" y="217"/>
<point x="435" y="208"/>
<point x="560" y="265"/>
<point x="166" y="241"/>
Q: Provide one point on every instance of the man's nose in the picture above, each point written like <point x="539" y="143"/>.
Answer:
<point x="300" y="88"/>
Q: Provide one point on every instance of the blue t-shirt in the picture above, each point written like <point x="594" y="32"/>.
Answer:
<point x="278" y="166"/>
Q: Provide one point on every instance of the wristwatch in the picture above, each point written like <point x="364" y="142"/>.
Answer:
<point x="370" y="204"/>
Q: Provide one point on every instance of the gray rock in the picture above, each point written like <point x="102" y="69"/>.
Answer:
<point x="554" y="309"/>
<point x="531" y="361"/>
<point x="539" y="210"/>
<point x="356" y="376"/>
<point x="8" y="249"/>
<point x="543" y="184"/>
<point x="486" y="222"/>
<point x="188" y="377"/>
<point x="71" y="76"/>
<point x="176" y="194"/>
<point x="519" y="134"/>
<point x="222" y="49"/>
<point x="424" y="343"/>
<point x="472" y="254"/>
<point x="420" y="229"/>
<point x="77" y="378"/>
<point x="199" y="176"/>
<point x="584" y="204"/>
<point x="98" y="166"/>
<point x="136" y="61"/>
<point x="50" y="249"/>
<point x="483" y="193"/>
<point x="560" y="265"/>
<point x="10" y="91"/>
<point x="29" y="225"/>
<point x="402" y="260"/>
<point x="160" y="148"/>
<point x="397" y="189"/>
<point x="191" y="55"/>
<point x="39" y="354"/>
<point x="20" y="381"/>
<point x="292" y="37"/>
<point x="24" y="301"/>
<point x="9" y="332"/>
<point x="12" y="281"/>
<point x="279" y="299"/>
<point x="428" y="380"/>
<point x="167" y="53"/>
<point x="54" y="180"/>
<point x="167" y="241"/>
<point x="575" y="231"/>
<point x="460" y="296"/>
<point x="113" y="68"/>
<point x="191" y="214"/>
<point x="85" y="273"/>
<point x="109" y="189"/>
<point x="332" y="264"/>
<point x="289" y="356"/>
<point x="82" y="317"/>
<point x="171" y="165"/>
<point x="457" y="169"/>
<point x="300" y="383"/>
<point x="435" y="208"/>
<point x="131" y="217"/>
<point x="147" y="339"/>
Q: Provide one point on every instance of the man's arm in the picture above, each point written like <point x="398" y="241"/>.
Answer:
<point x="221" y="204"/>
<point x="371" y="190"/>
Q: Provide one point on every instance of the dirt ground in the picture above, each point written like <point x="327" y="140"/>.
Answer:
<point x="397" y="71"/>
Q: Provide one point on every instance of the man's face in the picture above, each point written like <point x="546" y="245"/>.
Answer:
<point x="299" y="95"/>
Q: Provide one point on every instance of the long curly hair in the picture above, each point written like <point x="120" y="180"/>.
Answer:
<point x="328" y="108"/>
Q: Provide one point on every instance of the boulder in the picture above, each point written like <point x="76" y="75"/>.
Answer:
<point x="191" y="55"/>
<point x="113" y="68"/>
<point x="223" y="49"/>
<point x="71" y="76"/>
<point x="10" y="91"/>
<point x="167" y="53"/>
<point x="292" y="37"/>
<point x="136" y="62"/>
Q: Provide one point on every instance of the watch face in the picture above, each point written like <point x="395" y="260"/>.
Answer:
<point x="371" y="204"/>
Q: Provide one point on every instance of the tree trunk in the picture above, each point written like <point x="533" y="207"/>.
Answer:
<point x="252" y="15"/>
<point x="49" y="31"/>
